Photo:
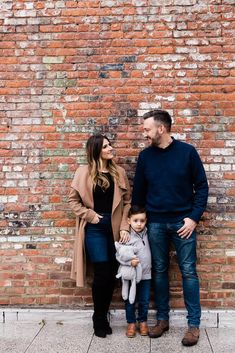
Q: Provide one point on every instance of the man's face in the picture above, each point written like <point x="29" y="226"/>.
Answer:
<point x="153" y="131"/>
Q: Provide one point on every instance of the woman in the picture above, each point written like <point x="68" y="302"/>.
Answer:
<point x="100" y="199"/>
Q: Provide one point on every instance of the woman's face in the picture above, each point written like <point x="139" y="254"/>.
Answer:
<point x="107" y="150"/>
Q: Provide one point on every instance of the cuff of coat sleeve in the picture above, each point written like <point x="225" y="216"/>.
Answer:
<point x="90" y="215"/>
<point x="125" y="226"/>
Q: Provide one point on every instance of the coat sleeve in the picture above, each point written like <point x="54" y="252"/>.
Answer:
<point x="126" y="204"/>
<point x="78" y="208"/>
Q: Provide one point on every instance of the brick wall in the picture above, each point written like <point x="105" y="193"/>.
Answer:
<point x="71" y="68"/>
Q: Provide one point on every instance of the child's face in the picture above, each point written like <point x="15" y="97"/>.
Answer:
<point x="138" y="221"/>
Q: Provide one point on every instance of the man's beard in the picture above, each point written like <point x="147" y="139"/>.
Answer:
<point x="156" y="141"/>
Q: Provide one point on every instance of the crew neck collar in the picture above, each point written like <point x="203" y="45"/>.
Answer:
<point x="167" y="147"/>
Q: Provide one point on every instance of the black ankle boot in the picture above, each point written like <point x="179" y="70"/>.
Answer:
<point x="102" y="290"/>
<point x="100" y="332"/>
<point x="99" y="326"/>
<point x="108" y="329"/>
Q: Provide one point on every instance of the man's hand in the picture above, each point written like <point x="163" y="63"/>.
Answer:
<point x="187" y="229"/>
<point x="124" y="236"/>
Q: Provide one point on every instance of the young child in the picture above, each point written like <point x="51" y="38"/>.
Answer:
<point x="138" y="237"/>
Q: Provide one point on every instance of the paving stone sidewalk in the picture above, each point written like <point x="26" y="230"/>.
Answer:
<point x="71" y="332"/>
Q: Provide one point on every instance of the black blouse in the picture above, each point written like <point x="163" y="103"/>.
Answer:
<point x="103" y="199"/>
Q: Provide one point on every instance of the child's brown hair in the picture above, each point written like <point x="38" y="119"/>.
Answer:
<point x="135" y="209"/>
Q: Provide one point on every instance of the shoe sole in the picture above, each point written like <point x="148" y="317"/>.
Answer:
<point x="189" y="344"/>
<point x="100" y="335"/>
<point x="130" y="336"/>
<point x="157" y="336"/>
<point x="144" y="334"/>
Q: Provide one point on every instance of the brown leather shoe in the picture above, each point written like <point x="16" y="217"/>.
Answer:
<point x="131" y="330"/>
<point x="191" y="337"/>
<point x="159" y="329"/>
<point x="143" y="327"/>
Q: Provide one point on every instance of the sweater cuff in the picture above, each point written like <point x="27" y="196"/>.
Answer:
<point x="195" y="216"/>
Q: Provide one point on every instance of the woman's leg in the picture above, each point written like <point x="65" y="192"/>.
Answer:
<point x="100" y="295"/>
<point x="98" y="245"/>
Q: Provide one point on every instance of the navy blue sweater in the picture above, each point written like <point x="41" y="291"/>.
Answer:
<point x="171" y="183"/>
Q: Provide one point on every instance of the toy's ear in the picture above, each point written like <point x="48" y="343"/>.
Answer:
<point x="117" y="245"/>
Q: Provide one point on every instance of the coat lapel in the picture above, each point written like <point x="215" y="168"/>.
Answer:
<point x="86" y="192"/>
<point x="119" y="188"/>
<point x="83" y="184"/>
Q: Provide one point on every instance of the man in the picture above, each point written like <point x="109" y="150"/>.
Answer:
<point x="170" y="182"/>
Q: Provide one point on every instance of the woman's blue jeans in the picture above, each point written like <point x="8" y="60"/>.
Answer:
<point x="142" y="300"/>
<point x="99" y="240"/>
<point x="160" y="236"/>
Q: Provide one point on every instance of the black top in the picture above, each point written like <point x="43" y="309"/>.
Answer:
<point x="171" y="183"/>
<point x="103" y="199"/>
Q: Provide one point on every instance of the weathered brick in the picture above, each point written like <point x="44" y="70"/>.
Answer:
<point x="69" y="69"/>
<point x="53" y="59"/>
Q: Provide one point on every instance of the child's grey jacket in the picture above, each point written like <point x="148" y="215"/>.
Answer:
<point x="140" y="240"/>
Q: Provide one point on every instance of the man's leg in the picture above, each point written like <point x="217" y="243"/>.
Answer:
<point x="186" y="255"/>
<point x="159" y="244"/>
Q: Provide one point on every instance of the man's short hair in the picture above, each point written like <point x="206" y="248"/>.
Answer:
<point x="161" y="116"/>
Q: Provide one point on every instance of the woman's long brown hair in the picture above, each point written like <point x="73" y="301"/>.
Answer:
<point x="94" y="147"/>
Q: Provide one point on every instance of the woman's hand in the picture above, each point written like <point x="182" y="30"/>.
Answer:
<point x="124" y="236"/>
<point x="135" y="262"/>
<point x="96" y="219"/>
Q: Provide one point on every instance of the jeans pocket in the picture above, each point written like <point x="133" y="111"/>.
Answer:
<point x="177" y="225"/>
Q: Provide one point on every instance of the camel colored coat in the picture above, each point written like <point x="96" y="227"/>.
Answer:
<point x="82" y="204"/>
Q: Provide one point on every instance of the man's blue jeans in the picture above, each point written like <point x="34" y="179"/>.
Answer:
<point x="142" y="300"/>
<point x="160" y="236"/>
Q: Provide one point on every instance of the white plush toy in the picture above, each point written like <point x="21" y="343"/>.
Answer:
<point x="127" y="273"/>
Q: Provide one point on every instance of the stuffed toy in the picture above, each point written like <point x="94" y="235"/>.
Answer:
<point x="128" y="274"/>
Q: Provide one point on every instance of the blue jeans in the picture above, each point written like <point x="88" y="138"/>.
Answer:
<point x="142" y="299"/>
<point x="160" y="236"/>
<point x="99" y="240"/>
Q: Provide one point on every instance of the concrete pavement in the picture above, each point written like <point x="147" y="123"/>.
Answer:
<point x="68" y="331"/>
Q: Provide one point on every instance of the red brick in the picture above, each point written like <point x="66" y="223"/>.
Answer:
<point x="46" y="119"/>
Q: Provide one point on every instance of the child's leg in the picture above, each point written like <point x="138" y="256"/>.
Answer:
<point x="131" y="319"/>
<point x="143" y="295"/>
<point x="130" y="312"/>
<point x="142" y="298"/>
